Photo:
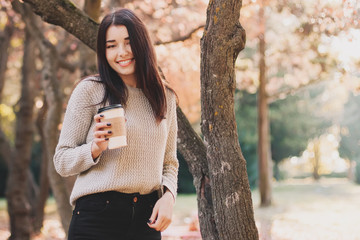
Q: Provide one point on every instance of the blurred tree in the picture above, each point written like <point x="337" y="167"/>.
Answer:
<point x="291" y="126"/>
<point x="19" y="207"/>
<point x="350" y="133"/>
<point x="87" y="56"/>
<point x="296" y="34"/>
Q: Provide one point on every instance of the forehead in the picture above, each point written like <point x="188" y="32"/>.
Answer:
<point x="117" y="32"/>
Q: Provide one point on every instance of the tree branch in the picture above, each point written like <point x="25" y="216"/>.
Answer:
<point x="65" y="14"/>
<point x="182" y="38"/>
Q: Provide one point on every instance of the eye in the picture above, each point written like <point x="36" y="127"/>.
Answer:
<point x="110" y="46"/>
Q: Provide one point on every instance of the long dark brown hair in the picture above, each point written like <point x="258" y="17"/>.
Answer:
<point x="146" y="69"/>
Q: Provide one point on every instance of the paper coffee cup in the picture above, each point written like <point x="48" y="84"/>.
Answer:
<point x="115" y="115"/>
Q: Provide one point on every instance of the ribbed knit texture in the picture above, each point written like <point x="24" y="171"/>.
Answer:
<point x="146" y="164"/>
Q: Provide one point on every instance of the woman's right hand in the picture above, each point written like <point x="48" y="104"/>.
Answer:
<point x="101" y="136"/>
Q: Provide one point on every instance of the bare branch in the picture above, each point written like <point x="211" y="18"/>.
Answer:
<point x="182" y="38"/>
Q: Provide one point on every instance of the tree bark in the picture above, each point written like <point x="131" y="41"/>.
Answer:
<point x="265" y="171"/>
<point x="193" y="150"/>
<point x="87" y="56"/>
<point x="5" y="37"/>
<point x="53" y="98"/>
<point x="17" y="199"/>
<point x="54" y="101"/>
<point x="221" y="43"/>
<point x="44" y="179"/>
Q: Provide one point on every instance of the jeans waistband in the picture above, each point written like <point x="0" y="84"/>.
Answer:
<point x="114" y="195"/>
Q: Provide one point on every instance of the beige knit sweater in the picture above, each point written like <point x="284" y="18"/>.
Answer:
<point x="146" y="164"/>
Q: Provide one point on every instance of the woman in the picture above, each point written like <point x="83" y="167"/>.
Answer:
<point x="116" y="193"/>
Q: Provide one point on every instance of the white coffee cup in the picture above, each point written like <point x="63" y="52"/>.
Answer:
<point x="115" y="115"/>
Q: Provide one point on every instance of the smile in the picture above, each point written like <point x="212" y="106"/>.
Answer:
<point x="125" y="63"/>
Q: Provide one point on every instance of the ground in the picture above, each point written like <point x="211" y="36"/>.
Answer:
<point x="301" y="210"/>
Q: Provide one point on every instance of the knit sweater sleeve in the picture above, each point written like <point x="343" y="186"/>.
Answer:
<point x="73" y="152"/>
<point x="171" y="164"/>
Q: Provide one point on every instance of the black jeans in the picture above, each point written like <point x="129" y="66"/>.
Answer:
<point x="113" y="216"/>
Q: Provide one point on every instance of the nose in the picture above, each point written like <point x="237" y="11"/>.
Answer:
<point x="122" y="51"/>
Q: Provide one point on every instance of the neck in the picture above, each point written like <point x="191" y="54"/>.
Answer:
<point x="129" y="80"/>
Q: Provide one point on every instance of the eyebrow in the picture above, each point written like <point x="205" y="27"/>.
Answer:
<point x="108" y="41"/>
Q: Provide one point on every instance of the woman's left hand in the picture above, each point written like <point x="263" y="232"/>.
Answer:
<point x="161" y="216"/>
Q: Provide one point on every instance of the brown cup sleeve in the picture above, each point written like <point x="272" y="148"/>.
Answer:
<point x="117" y="126"/>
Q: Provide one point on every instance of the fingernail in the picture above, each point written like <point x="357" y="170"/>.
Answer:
<point x="101" y="115"/>
<point x="149" y="221"/>
<point x="108" y="124"/>
<point x="109" y="132"/>
<point x="106" y="139"/>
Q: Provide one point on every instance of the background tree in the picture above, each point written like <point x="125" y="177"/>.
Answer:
<point x="350" y="131"/>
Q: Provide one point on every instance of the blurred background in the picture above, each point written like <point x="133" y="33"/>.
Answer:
<point x="311" y="55"/>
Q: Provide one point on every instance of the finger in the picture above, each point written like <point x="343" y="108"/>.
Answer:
<point x="164" y="222"/>
<point x="101" y="126"/>
<point x="102" y="134"/>
<point x="165" y="225"/>
<point x="158" y="224"/>
<point x="98" y="141"/>
<point x="98" y="117"/>
<point x="154" y="214"/>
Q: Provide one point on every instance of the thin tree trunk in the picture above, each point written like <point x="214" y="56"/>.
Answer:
<point x="221" y="43"/>
<point x="53" y="97"/>
<point x="18" y="204"/>
<point x="87" y="56"/>
<point x="263" y="122"/>
<point x="44" y="179"/>
<point x="5" y="37"/>
<point x="317" y="160"/>
<point x="54" y="101"/>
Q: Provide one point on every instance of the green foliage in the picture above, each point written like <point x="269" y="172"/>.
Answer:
<point x="185" y="183"/>
<point x="3" y="176"/>
<point x="293" y="121"/>
<point x="246" y="121"/>
<point x="350" y="133"/>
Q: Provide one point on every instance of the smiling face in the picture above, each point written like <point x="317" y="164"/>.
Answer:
<point x="119" y="54"/>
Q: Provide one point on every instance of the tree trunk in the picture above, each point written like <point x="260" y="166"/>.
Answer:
<point x="193" y="150"/>
<point x="263" y="123"/>
<point x="87" y="56"/>
<point x="316" y="159"/>
<point x="54" y="101"/>
<point x="5" y="37"/>
<point x="53" y="98"/>
<point x="221" y="43"/>
<point x="44" y="179"/>
<point x="17" y="199"/>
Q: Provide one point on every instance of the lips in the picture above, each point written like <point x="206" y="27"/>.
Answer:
<point x="125" y="63"/>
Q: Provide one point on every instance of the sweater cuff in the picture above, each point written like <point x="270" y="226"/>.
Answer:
<point x="170" y="186"/>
